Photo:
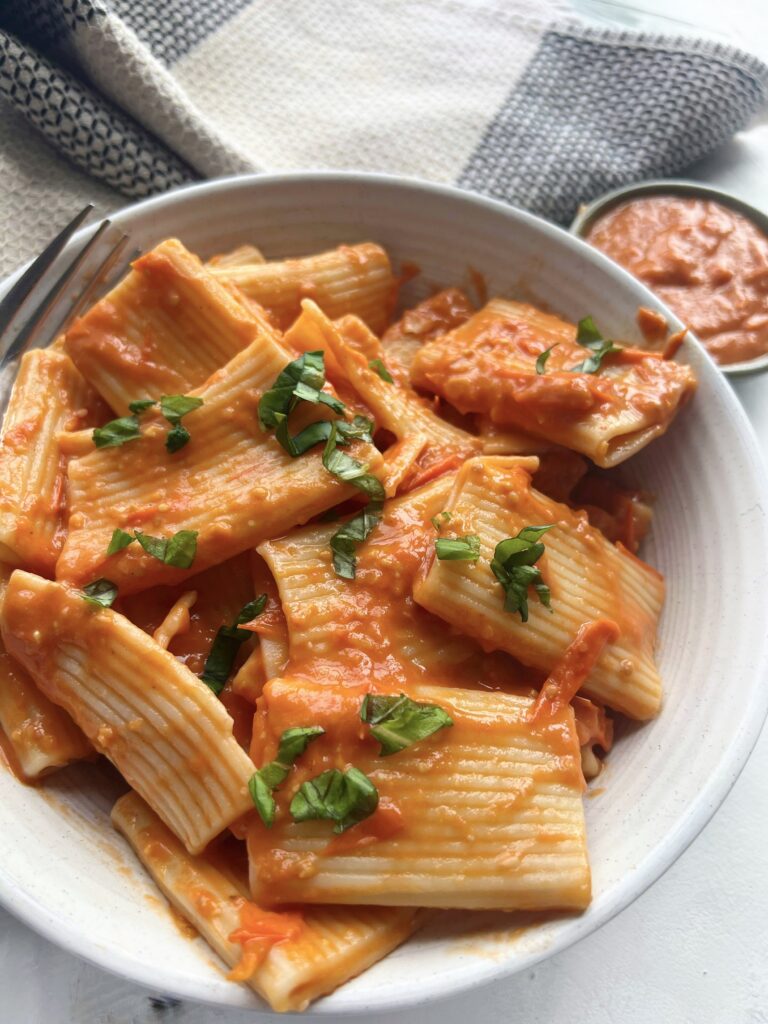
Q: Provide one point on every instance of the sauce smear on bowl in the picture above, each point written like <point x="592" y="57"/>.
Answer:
<point x="708" y="263"/>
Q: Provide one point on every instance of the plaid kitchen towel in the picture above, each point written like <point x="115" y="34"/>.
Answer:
<point x="104" y="99"/>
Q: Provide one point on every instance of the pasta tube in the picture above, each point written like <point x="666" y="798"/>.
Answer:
<point x="608" y="411"/>
<point x="290" y="961"/>
<point x="232" y="483"/>
<point x="485" y="813"/>
<point x="161" y="727"/>
<point x="351" y="279"/>
<point x="49" y="396"/>
<point x="589" y="579"/>
<point x="164" y="329"/>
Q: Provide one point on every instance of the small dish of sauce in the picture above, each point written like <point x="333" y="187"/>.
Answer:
<point x="705" y="259"/>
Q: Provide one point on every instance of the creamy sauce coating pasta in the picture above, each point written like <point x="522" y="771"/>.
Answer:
<point x="344" y="592"/>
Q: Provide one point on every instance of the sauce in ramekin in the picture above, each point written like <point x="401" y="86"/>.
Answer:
<point x="707" y="262"/>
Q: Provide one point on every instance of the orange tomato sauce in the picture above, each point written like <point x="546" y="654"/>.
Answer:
<point x="708" y="262"/>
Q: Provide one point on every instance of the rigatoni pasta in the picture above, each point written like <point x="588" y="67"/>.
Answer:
<point x="231" y="485"/>
<point x="343" y="599"/>
<point x="588" y="578"/>
<point x="528" y="369"/>
<point x="290" y="958"/>
<point x="42" y="735"/>
<point x="354" y="279"/>
<point x="488" y="814"/>
<point x="167" y="734"/>
<point x="49" y="396"/>
<point x="163" y="330"/>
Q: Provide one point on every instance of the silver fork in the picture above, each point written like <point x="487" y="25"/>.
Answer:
<point x="53" y="306"/>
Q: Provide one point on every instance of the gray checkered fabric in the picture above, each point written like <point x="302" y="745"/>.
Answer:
<point x="106" y="99"/>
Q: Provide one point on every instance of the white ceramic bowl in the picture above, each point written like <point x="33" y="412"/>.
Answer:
<point x="64" y="871"/>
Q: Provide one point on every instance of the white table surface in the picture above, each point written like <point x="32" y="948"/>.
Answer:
<point x="694" y="948"/>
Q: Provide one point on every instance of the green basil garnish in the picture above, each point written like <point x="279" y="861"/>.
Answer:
<point x="344" y="797"/>
<point x="101" y="593"/>
<point x="588" y="336"/>
<point x="397" y="722"/>
<point x="541" y="362"/>
<point x="349" y="470"/>
<point x="178" y="550"/>
<point x="301" y="380"/>
<point x="116" y="432"/>
<point x="513" y="566"/>
<point x="345" y="540"/>
<point x="173" y="407"/>
<point x="226" y="644"/>
<point x="463" y="549"/>
<point x="380" y="368"/>
<point x="292" y="745"/>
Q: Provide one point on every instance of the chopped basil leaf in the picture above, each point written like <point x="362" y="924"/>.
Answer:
<point x="317" y="433"/>
<point x="440" y="520"/>
<point x="513" y="566"/>
<point x="541" y="362"/>
<point x="263" y="801"/>
<point x="360" y="429"/>
<point x="589" y="337"/>
<point x="226" y="644"/>
<point x="117" y="432"/>
<point x="120" y="540"/>
<point x="292" y="745"/>
<point x="344" y="797"/>
<point x="177" y="438"/>
<point x="178" y="550"/>
<point x="397" y="722"/>
<point x="349" y="470"/>
<point x="302" y="379"/>
<point x="587" y="332"/>
<point x="458" y="549"/>
<point x="141" y="405"/>
<point x="182" y="548"/>
<point x="344" y="542"/>
<point x="380" y="368"/>
<point x="101" y="592"/>
<point x="295" y="741"/>
<point x="173" y="407"/>
<point x="314" y="434"/>
<point x="155" y="546"/>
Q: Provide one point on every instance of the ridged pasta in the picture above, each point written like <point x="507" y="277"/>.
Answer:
<point x="484" y="814"/>
<point x="351" y="279"/>
<point x="489" y="365"/>
<point x="589" y="578"/>
<point x="232" y="483"/>
<point x="395" y="408"/>
<point x="43" y="736"/>
<point x="333" y="944"/>
<point x="377" y="732"/>
<point x="162" y="728"/>
<point x="49" y="396"/>
<point x="242" y="256"/>
<point x="163" y="330"/>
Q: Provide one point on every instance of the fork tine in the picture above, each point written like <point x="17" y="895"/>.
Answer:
<point x="101" y="276"/>
<point x="13" y="301"/>
<point x="38" y="318"/>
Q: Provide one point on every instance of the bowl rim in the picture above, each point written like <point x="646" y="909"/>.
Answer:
<point x="589" y="213"/>
<point x="654" y="864"/>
